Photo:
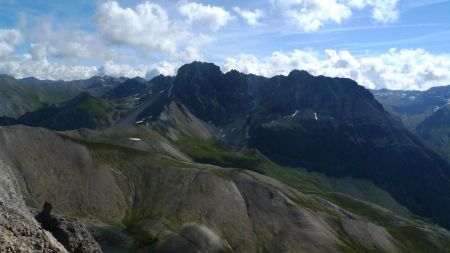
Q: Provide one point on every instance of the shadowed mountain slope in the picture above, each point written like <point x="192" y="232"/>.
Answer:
<point x="331" y="125"/>
<point x="83" y="111"/>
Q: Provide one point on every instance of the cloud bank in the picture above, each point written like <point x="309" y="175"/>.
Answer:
<point x="395" y="69"/>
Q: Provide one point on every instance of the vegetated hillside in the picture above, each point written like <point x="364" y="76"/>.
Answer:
<point x="83" y="111"/>
<point x="166" y="202"/>
<point x="425" y="113"/>
<point x="18" y="96"/>
<point x="436" y="129"/>
<point x="413" y="106"/>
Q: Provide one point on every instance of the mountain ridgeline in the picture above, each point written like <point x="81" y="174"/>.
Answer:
<point x="208" y="133"/>
<point x="331" y="125"/>
<point x="424" y="113"/>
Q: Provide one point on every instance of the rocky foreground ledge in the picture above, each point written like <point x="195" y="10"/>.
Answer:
<point x="70" y="232"/>
<point x="19" y="231"/>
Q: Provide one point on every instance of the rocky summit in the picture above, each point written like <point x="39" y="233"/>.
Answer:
<point x="206" y="161"/>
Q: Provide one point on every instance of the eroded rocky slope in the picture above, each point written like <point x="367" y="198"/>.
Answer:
<point x="19" y="231"/>
<point x="167" y="203"/>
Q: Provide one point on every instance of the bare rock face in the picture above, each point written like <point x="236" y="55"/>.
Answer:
<point x="19" y="232"/>
<point x="68" y="231"/>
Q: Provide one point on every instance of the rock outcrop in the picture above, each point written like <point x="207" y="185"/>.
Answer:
<point x="19" y="232"/>
<point x="68" y="231"/>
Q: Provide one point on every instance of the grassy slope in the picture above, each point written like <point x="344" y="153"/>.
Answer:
<point x="25" y="98"/>
<point x="410" y="238"/>
<point x="98" y="108"/>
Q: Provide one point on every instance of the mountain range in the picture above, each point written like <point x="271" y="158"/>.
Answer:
<point x="422" y="112"/>
<point x="207" y="161"/>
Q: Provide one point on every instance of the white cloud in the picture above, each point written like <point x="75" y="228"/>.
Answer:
<point x="396" y="69"/>
<point x="26" y="65"/>
<point x="162" y="68"/>
<point x="69" y="42"/>
<point x="9" y="39"/>
<point x="251" y="17"/>
<point x="213" y="17"/>
<point x="38" y="51"/>
<point x="310" y="15"/>
<point x="384" y="11"/>
<point x="123" y="70"/>
<point x="36" y="64"/>
<point x="147" y="26"/>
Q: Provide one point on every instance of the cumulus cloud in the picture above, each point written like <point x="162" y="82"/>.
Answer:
<point x="384" y="11"/>
<point x="161" y="68"/>
<point x="123" y="70"/>
<point x="395" y="69"/>
<point x="38" y="51"/>
<point x="147" y="26"/>
<point x="35" y="64"/>
<point x="251" y="17"/>
<point x="9" y="39"/>
<point x="311" y="15"/>
<point x="21" y="66"/>
<point x="213" y="17"/>
<point x="67" y="41"/>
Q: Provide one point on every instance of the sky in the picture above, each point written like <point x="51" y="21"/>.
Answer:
<point x="395" y="44"/>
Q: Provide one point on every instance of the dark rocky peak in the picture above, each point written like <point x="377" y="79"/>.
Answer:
<point x="197" y="78"/>
<point x="134" y="86"/>
<point x="335" y="97"/>
<point x="300" y="74"/>
<point x="139" y="79"/>
<point x="210" y="94"/>
<point x="161" y="83"/>
<point x="32" y="79"/>
<point x="199" y="68"/>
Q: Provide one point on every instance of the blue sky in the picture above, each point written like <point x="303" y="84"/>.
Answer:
<point x="399" y="44"/>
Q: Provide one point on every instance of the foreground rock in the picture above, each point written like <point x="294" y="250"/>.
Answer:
<point x="68" y="231"/>
<point x="19" y="232"/>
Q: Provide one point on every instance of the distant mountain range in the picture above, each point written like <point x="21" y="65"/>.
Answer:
<point x="229" y="162"/>
<point x="425" y="113"/>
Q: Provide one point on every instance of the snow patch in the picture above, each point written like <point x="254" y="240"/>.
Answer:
<point x="315" y="116"/>
<point x="295" y="113"/>
<point x="135" y="139"/>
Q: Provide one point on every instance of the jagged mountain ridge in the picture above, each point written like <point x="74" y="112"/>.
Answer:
<point x="327" y="124"/>
<point x="331" y="125"/>
<point x="296" y="120"/>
